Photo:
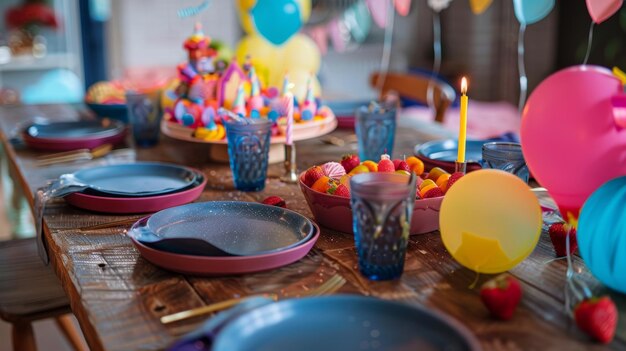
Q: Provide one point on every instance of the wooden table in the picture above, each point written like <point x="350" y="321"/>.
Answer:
<point x="118" y="296"/>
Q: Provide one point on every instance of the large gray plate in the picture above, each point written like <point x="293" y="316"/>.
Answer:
<point x="136" y="179"/>
<point x="76" y="129"/>
<point x="342" y="323"/>
<point x="238" y="228"/>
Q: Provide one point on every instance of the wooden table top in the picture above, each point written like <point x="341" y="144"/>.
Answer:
<point x="118" y="297"/>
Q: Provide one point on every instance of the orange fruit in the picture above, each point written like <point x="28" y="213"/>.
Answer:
<point x="371" y="165"/>
<point x="359" y="169"/>
<point x="442" y="181"/>
<point x="322" y="185"/>
<point x="416" y="165"/>
<point x="435" y="173"/>
<point x="426" y="183"/>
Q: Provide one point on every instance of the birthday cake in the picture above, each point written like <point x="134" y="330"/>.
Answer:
<point x="207" y="89"/>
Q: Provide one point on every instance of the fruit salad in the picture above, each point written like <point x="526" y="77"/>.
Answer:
<point x="334" y="177"/>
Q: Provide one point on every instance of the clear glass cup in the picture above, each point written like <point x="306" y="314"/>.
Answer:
<point x="375" y="130"/>
<point x="248" y="149"/>
<point x="506" y="156"/>
<point x="382" y="207"/>
<point x="144" y="117"/>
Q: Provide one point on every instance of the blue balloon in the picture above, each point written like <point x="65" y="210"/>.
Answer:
<point x="277" y="20"/>
<point x="54" y="87"/>
<point x="531" y="11"/>
<point x="602" y="234"/>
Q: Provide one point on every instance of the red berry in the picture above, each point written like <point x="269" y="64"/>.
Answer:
<point x="597" y="317"/>
<point x="403" y="166"/>
<point x="501" y="296"/>
<point x="350" y="161"/>
<point x="275" y="201"/>
<point x="340" y="190"/>
<point x="434" y="192"/>
<point x="385" y="164"/>
<point x="558" y="235"/>
<point x="396" y="162"/>
<point x="453" y="178"/>
<point x="312" y="175"/>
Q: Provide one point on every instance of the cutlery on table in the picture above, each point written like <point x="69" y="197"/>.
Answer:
<point x="75" y="155"/>
<point x="329" y="287"/>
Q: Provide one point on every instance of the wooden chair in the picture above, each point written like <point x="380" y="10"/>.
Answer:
<point x="415" y="87"/>
<point x="30" y="291"/>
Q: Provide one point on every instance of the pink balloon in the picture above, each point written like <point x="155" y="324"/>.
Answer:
<point x="601" y="10"/>
<point x="570" y="136"/>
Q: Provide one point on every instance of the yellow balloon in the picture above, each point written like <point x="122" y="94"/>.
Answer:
<point x="479" y="6"/>
<point x="301" y="53"/>
<point x="299" y="58"/>
<point x="490" y="221"/>
<point x="244" y="7"/>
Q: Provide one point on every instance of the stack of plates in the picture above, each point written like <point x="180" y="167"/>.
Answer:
<point x="136" y="187"/>
<point x="62" y="136"/>
<point x="222" y="237"/>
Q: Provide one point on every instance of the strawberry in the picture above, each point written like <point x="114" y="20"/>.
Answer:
<point x="312" y="175"/>
<point x="396" y="162"/>
<point x="275" y="201"/>
<point x="385" y="164"/>
<point x="350" y="161"/>
<point x="403" y="166"/>
<point x="453" y="178"/>
<point x="434" y="192"/>
<point x="340" y="190"/>
<point x="558" y="235"/>
<point x="501" y="296"/>
<point x="597" y="316"/>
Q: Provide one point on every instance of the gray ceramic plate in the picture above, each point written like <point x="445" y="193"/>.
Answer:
<point x="75" y="129"/>
<point x="341" y="323"/>
<point x="136" y="179"/>
<point x="237" y="228"/>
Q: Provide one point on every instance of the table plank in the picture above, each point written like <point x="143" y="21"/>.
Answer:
<point x="118" y="296"/>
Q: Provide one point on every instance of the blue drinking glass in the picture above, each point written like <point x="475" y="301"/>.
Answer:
<point x="375" y="130"/>
<point x="144" y="117"/>
<point x="248" y="149"/>
<point x="382" y="207"/>
<point x="506" y="156"/>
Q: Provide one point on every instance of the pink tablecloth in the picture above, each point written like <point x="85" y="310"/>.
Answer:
<point x="484" y="119"/>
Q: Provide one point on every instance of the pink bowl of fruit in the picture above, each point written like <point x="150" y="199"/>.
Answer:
<point x="327" y="191"/>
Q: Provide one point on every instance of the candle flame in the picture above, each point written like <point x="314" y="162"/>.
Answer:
<point x="464" y="86"/>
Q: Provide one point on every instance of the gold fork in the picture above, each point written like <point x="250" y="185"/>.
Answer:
<point x="330" y="286"/>
<point x="76" y="155"/>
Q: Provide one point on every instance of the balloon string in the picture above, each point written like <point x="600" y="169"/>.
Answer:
<point x="388" y="40"/>
<point x="473" y="284"/>
<point x="523" y="80"/>
<point x="572" y="281"/>
<point x="589" y="41"/>
<point x="430" y="100"/>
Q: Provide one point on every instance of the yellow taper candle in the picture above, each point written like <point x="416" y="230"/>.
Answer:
<point x="463" y="122"/>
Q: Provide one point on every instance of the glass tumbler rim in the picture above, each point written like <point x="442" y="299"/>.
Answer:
<point x="258" y="125"/>
<point x="503" y="149"/>
<point x="381" y="185"/>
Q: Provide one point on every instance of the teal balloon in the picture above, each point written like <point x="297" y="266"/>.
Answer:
<point x="531" y="11"/>
<point x="602" y="234"/>
<point x="276" y="20"/>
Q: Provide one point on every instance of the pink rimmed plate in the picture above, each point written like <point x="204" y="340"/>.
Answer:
<point x="137" y="204"/>
<point x="335" y="212"/>
<point x="214" y="265"/>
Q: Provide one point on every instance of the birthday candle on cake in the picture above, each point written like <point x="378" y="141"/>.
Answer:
<point x="239" y="106"/>
<point x="285" y="84"/>
<point x="255" y="103"/>
<point x="288" y="100"/>
<point x="308" y="107"/>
